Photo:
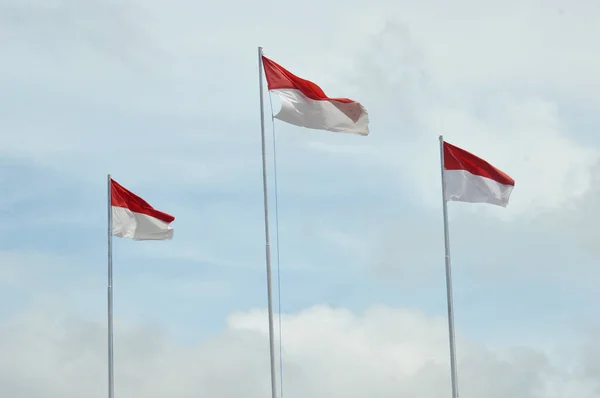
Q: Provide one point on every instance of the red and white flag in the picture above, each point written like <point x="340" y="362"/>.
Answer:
<point x="471" y="179"/>
<point x="134" y="218"/>
<point x="304" y="104"/>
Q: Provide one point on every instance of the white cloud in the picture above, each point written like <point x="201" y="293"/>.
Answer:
<point x="327" y="353"/>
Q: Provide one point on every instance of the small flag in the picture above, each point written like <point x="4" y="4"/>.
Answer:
<point x="471" y="179"/>
<point x="304" y="104"/>
<point x="134" y="218"/>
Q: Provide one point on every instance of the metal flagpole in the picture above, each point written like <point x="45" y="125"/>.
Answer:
<point x="453" y="374"/>
<point x="111" y="376"/>
<point x="267" y="239"/>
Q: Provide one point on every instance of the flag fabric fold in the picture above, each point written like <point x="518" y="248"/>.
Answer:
<point x="304" y="104"/>
<point x="134" y="218"/>
<point x="472" y="179"/>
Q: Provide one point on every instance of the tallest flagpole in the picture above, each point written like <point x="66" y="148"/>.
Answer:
<point x="267" y="238"/>
<point x="453" y="371"/>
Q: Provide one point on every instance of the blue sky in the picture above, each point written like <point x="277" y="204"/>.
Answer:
<point x="166" y="99"/>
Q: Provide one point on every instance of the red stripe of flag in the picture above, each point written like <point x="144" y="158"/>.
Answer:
<point x="456" y="158"/>
<point x="280" y="78"/>
<point x="121" y="197"/>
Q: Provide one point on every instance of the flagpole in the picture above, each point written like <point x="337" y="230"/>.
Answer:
<point x="267" y="238"/>
<point x="453" y="371"/>
<point x="111" y="378"/>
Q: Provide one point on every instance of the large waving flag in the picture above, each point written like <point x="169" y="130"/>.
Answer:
<point x="472" y="179"/>
<point x="134" y="218"/>
<point x="304" y="104"/>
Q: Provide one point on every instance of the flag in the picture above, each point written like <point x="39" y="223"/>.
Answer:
<point x="471" y="179"/>
<point x="304" y="104"/>
<point x="134" y="218"/>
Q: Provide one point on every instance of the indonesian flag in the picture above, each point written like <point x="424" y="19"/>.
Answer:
<point x="471" y="179"/>
<point x="304" y="104"/>
<point x="134" y="218"/>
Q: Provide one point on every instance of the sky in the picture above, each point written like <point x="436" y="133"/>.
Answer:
<point x="164" y="96"/>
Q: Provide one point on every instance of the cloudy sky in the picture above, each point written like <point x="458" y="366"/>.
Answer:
<point x="165" y="97"/>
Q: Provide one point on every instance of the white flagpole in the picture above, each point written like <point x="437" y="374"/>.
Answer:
<point x="267" y="238"/>
<point x="453" y="371"/>
<point x="111" y="376"/>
